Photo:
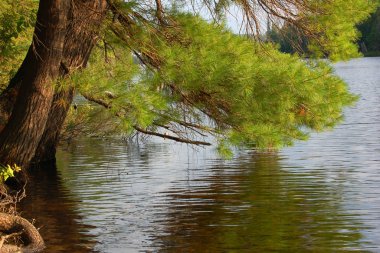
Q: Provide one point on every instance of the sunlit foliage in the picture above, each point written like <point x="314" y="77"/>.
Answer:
<point x="241" y="92"/>
<point x="329" y="25"/>
<point x="8" y="171"/>
<point x="253" y="94"/>
<point x="163" y="71"/>
<point x="337" y="27"/>
<point x="16" y="22"/>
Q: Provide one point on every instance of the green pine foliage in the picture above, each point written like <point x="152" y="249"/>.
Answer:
<point x="243" y="92"/>
<point x="329" y="26"/>
<point x="254" y="95"/>
<point x="332" y="33"/>
<point x="194" y="77"/>
<point x="336" y="26"/>
<point x="16" y="26"/>
<point x="115" y="81"/>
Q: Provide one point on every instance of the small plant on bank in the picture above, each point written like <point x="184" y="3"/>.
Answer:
<point x="8" y="201"/>
<point x="8" y="171"/>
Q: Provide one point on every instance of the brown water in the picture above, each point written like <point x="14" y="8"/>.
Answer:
<point x="318" y="196"/>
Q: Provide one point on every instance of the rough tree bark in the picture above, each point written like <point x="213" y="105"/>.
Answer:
<point x="22" y="133"/>
<point x="9" y="95"/>
<point x="86" y="17"/>
<point x="82" y="32"/>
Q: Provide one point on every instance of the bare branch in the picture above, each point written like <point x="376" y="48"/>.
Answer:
<point x="177" y="139"/>
<point x="159" y="12"/>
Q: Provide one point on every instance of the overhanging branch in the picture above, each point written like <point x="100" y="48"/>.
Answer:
<point x="108" y="105"/>
<point x="174" y="138"/>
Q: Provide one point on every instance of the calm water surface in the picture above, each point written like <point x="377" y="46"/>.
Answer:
<point x="318" y="196"/>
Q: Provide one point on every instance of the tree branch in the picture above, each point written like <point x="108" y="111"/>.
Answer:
<point x="159" y="12"/>
<point x="165" y="136"/>
<point x="174" y="138"/>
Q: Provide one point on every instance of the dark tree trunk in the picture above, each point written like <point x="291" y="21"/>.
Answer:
<point x="46" y="149"/>
<point x="83" y="33"/>
<point x="20" y="137"/>
<point x="9" y="95"/>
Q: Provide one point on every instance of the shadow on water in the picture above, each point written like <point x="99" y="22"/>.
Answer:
<point x="257" y="206"/>
<point x="53" y="208"/>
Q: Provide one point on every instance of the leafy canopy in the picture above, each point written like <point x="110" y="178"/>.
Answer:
<point x="240" y="91"/>
<point x="16" y="22"/>
<point x="163" y="71"/>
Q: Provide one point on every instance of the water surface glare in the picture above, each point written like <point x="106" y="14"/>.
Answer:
<point x="318" y="196"/>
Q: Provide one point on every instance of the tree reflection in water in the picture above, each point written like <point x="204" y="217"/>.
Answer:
<point x="54" y="209"/>
<point x="149" y="199"/>
<point x="257" y="206"/>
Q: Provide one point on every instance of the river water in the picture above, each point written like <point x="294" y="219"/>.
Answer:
<point x="322" y="195"/>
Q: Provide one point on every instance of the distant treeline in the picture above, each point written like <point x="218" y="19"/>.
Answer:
<point x="370" y="39"/>
<point x="290" y="40"/>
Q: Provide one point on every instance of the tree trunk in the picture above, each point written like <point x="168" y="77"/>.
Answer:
<point x="83" y="33"/>
<point x="46" y="149"/>
<point x="21" y="135"/>
<point x="9" y="95"/>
